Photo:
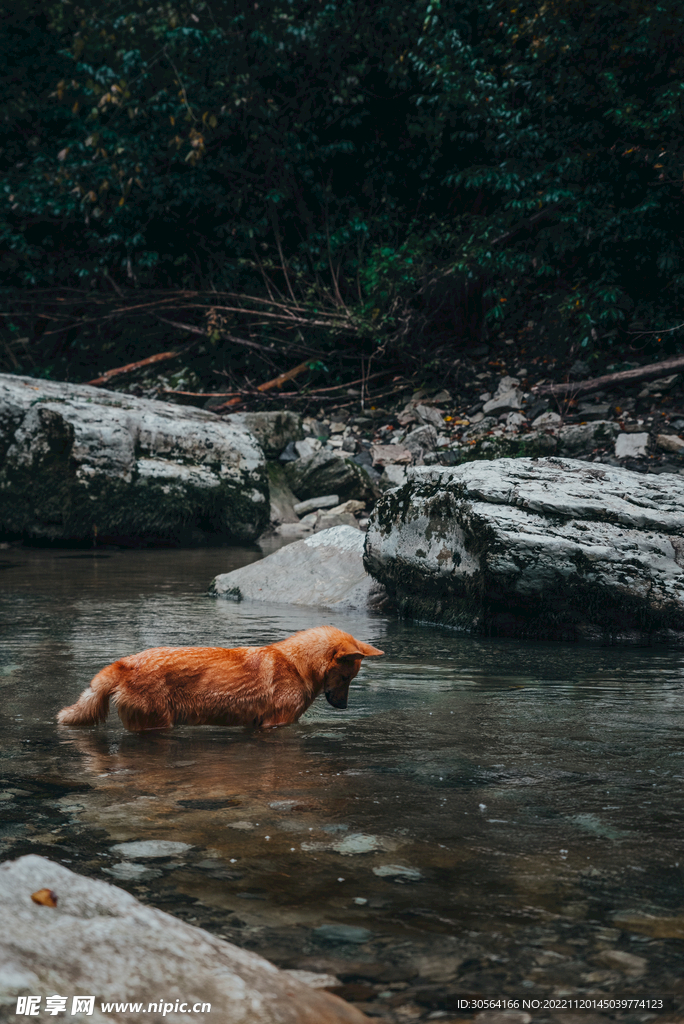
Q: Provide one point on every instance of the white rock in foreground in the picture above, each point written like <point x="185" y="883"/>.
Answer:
<point x="325" y="570"/>
<point x="81" y="463"/>
<point x="100" y="941"/>
<point x="535" y="547"/>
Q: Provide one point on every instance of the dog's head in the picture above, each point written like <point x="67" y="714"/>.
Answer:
<point x="344" y="665"/>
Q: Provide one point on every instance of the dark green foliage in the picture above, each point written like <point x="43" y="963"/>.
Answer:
<point x="438" y="170"/>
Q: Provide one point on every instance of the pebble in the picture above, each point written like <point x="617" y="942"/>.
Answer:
<point x="670" y="443"/>
<point x="314" y="980"/>
<point x="150" y="848"/>
<point x="546" y="420"/>
<point x="398" y="873"/>
<point x="129" y="871"/>
<point x="626" y="962"/>
<point x="334" y="933"/>
<point x="631" y="446"/>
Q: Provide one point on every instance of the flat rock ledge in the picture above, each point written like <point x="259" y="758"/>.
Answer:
<point x="535" y="548"/>
<point x="100" y="941"/>
<point x="82" y="464"/>
<point x="324" y="570"/>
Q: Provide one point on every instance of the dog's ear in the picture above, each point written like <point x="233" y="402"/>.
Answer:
<point x="367" y="650"/>
<point x="348" y="650"/>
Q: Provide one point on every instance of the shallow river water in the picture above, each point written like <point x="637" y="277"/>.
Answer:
<point x="488" y="820"/>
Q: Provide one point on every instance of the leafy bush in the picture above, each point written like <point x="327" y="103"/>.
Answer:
<point x="377" y="158"/>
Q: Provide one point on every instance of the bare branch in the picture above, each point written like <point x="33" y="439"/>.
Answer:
<point x="653" y="371"/>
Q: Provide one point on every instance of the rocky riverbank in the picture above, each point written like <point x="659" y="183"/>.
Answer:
<point x="64" y="933"/>
<point x="83" y="465"/>
<point x="547" y="548"/>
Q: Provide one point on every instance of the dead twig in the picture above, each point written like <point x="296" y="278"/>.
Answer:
<point x="118" y="371"/>
<point x="203" y="333"/>
<point x="269" y="384"/>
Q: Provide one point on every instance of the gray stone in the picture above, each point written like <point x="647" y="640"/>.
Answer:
<point x="670" y="443"/>
<point x="289" y="453"/>
<point x="311" y="504"/>
<point x="628" y="963"/>
<point x="332" y="934"/>
<point x="505" y="385"/>
<point x="427" y="414"/>
<point x="419" y="441"/>
<point x="327" y="520"/>
<point x="391" y="454"/>
<point x="352" y="845"/>
<point x="308" y="446"/>
<point x="81" y="462"/>
<point x="515" y="420"/>
<point x="393" y="476"/>
<point x="100" y="941"/>
<point x="282" y="498"/>
<point x="313" y="978"/>
<point x="631" y="446"/>
<point x="349" y="506"/>
<point x="546" y="421"/>
<point x="129" y="871"/>
<point x="324" y="570"/>
<point x="594" y="410"/>
<point x="326" y="472"/>
<point x="509" y="401"/>
<point x="479" y="427"/>
<point x="535" y="547"/>
<point x="398" y="872"/>
<point x="141" y="849"/>
<point x="577" y="437"/>
<point x="273" y="430"/>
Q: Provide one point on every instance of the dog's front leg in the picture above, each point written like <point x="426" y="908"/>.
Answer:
<point x="282" y="716"/>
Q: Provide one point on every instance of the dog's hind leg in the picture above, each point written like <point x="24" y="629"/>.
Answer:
<point x="137" y="719"/>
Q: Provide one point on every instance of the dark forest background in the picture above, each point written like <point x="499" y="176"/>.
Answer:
<point x="259" y="183"/>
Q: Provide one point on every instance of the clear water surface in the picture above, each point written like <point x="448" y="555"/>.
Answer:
<point x="488" y="819"/>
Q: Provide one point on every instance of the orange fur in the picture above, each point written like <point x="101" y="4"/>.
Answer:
<point x="261" y="687"/>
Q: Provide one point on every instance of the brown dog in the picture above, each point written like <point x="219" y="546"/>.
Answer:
<point x="261" y="687"/>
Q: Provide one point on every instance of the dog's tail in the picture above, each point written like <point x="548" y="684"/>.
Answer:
<point x="92" y="706"/>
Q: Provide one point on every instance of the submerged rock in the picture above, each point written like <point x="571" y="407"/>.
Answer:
<point x="129" y="871"/>
<point x="100" y="940"/>
<point x="141" y="849"/>
<point x="325" y="569"/>
<point x="81" y="464"/>
<point x="333" y="934"/>
<point x="398" y="873"/>
<point x="535" y="547"/>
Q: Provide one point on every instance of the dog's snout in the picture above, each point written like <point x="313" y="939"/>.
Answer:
<point x="338" y="701"/>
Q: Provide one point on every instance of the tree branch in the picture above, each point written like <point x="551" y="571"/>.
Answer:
<point x="613" y="380"/>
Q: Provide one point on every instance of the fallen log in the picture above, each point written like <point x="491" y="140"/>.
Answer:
<point x="653" y="371"/>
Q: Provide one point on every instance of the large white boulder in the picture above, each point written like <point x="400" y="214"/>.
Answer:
<point x="325" y="570"/>
<point x="534" y="547"/>
<point x="100" y="941"/>
<point x="81" y="463"/>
